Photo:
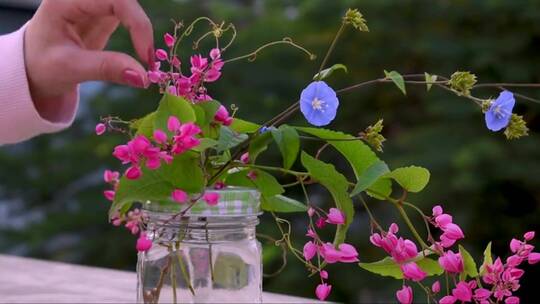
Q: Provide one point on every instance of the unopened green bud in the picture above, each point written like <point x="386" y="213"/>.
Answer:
<point x="516" y="127"/>
<point x="462" y="82"/>
<point x="486" y="104"/>
<point x="356" y="19"/>
<point x="373" y="137"/>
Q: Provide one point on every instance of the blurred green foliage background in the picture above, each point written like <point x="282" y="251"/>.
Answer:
<point x="51" y="203"/>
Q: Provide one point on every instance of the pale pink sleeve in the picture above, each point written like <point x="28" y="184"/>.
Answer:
<point x="19" y="119"/>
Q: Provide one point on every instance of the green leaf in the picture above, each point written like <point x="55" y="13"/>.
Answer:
<point x="488" y="259"/>
<point x="258" y="145"/>
<point x="388" y="267"/>
<point x="243" y="126"/>
<point x="280" y="203"/>
<point x="358" y="154"/>
<point x="173" y="106"/>
<point x="205" y="112"/>
<point x="337" y="185"/>
<point x="381" y="189"/>
<point x="229" y="139"/>
<point x="265" y="182"/>
<point x="430" y="80"/>
<point x="469" y="266"/>
<point x="288" y="142"/>
<point x="397" y="79"/>
<point x="370" y="176"/>
<point x="145" y="125"/>
<point x="205" y="144"/>
<point x="412" y="179"/>
<point x="327" y="72"/>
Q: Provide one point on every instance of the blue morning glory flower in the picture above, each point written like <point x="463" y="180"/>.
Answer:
<point x="500" y="111"/>
<point x="319" y="103"/>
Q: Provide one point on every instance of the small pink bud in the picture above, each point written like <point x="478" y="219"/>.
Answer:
<point x="323" y="274"/>
<point x="405" y="295"/>
<point x="451" y="262"/>
<point x="310" y="212"/>
<point x="179" y="196"/>
<point x="252" y="175"/>
<point x="219" y="185"/>
<point x="161" y="55"/>
<point x="143" y="243"/>
<point x="100" y="128"/>
<point x="173" y="124"/>
<point x="222" y="116"/>
<point x="321" y="222"/>
<point x="482" y="294"/>
<point x="169" y="40"/>
<point x="534" y="257"/>
<point x="211" y="198"/>
<point x="437" y="210"/>
<point x="160" y="137"/>
<point x="529" y="235"/>
<point x="176" y="62"/>
<point x="109" y="194"/>
<point x="462" y="292"/>
<point x="110" y="176"/>
<point x="336" y="217"/>
<point x="215" y="53"/>
<point x="310" y="250"/>
<point x="172" y="91"/>
<point x="512" y="300"/>
<point x="348" y="253"/>
<point x="322" y="291"/>
<point x="436" y="287"/>
<point x="394" y="228"/>
<point x="453" y="232"/>
<point x="311" y="233"/>
<point x="515" y="245"/>
<point x="412" y="271"/>
<point x="443" y="220"/>
<point x="133" y="172"/>
<point x="245" y="158"/>
<point x="448" y="300"/>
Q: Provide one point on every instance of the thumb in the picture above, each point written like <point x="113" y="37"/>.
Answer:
<point x="109" y="66"/>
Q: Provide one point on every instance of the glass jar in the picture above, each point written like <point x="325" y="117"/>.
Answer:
<point x="208" y="255"/>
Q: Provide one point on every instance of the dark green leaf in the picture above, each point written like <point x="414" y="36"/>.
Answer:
<point x="397" y="79"/>
<point x="243" y="126"/>
<point x="265" y="182"/>
<point x="288" y="142"/>
<point x="469" y="266"/>
<point x="329" y="71"/>
<point x="229" y="139"/>
<point x="337" y="185"/>
<point x="280" y="203"/>
<point x="258" y="145"/>
<point x="370" y="176"/>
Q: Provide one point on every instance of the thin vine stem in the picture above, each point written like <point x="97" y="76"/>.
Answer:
<point x="332" y="46"/>
<point x="253" y="55"/>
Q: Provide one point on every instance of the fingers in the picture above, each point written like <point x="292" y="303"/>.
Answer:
<point x="86" y="65"/>
<point x="95" y="36"/>
<point x="130" y="14"/>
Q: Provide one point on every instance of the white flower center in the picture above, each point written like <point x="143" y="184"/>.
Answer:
<point x="318" y="104"/>
<point x="500" y="113"/>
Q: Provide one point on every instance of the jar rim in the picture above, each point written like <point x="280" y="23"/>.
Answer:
<point x="233" y="202"/>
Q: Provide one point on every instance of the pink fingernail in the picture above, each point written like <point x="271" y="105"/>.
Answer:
<point x="133" y="78"/>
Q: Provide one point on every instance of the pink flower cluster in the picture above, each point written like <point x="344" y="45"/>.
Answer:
<point x="344" y="253"/>
<point x="203" y="70"/>
<point x="112" y="178"/>
<point x="451" y="232"/>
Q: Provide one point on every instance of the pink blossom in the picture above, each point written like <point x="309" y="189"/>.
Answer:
<point x="111" y="177"/>
<point x="345" y="253"/>
<point x="198" y="64"/>
<point x="443" y="220"/>
<point x="176" y="62"/>
<point x="100" y="128"/>
<point x="411" y="271"/>
<point x="405" y="295"/>
<point x="252" y="175"/>
<point x="133" y="172"/>
<point x="153" y="163"/>
<point x="215" y="53"/>
<point x="212" y="75"/>
<point x="534" y="257"/>
<point x="436" y="287"/>
<point x="154" y="76"/>
<point x="529" y="235"/>
<point x="335" y="216"/>
<point x="219" y="185"/>
<point x="162" y="55"/>
<point x="512" y="300"/>
<point x="160" y="136"/>
<point x="515" y="245"/>
<point x="245" y="158"/>
<point x="169" y="40"/>
<point x="437" y="210"/>
<point x="143" y="243"/>
<point x="348" y="253"/>
<point x="482" y="294"/>
<point x="311" y="233"/>
<point x="179" y="196"/>
<point x="447" y="300"/>
<point x="329" y="253"/>
<point x="451" y="262"/>
<point x="173" y="124"/>
<point x="322" y="291"/>
<point x="310" y="212"/>
<point x="323" y="274"/>
<point x="310" y="250"/>
<point x="462" y="292"/>
<point x="172" y="91"/>
<point x="321" y="222"/>
<point x="452" y="231"/>
<point x="109" y="194"/>
<point x="211" y="198"/>
<point x="222" y="116"/>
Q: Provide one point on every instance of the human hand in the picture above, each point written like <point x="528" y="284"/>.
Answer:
<point x="64" y="45"/>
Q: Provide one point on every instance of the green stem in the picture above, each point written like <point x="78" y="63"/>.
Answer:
<point x="253" y="55"/>
<point x="332" y="46"/>
<point x="270" y="168"/>
<point x="410" y="225"/>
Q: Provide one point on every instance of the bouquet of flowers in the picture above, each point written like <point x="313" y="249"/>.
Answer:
<point x="193" y="143"/>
